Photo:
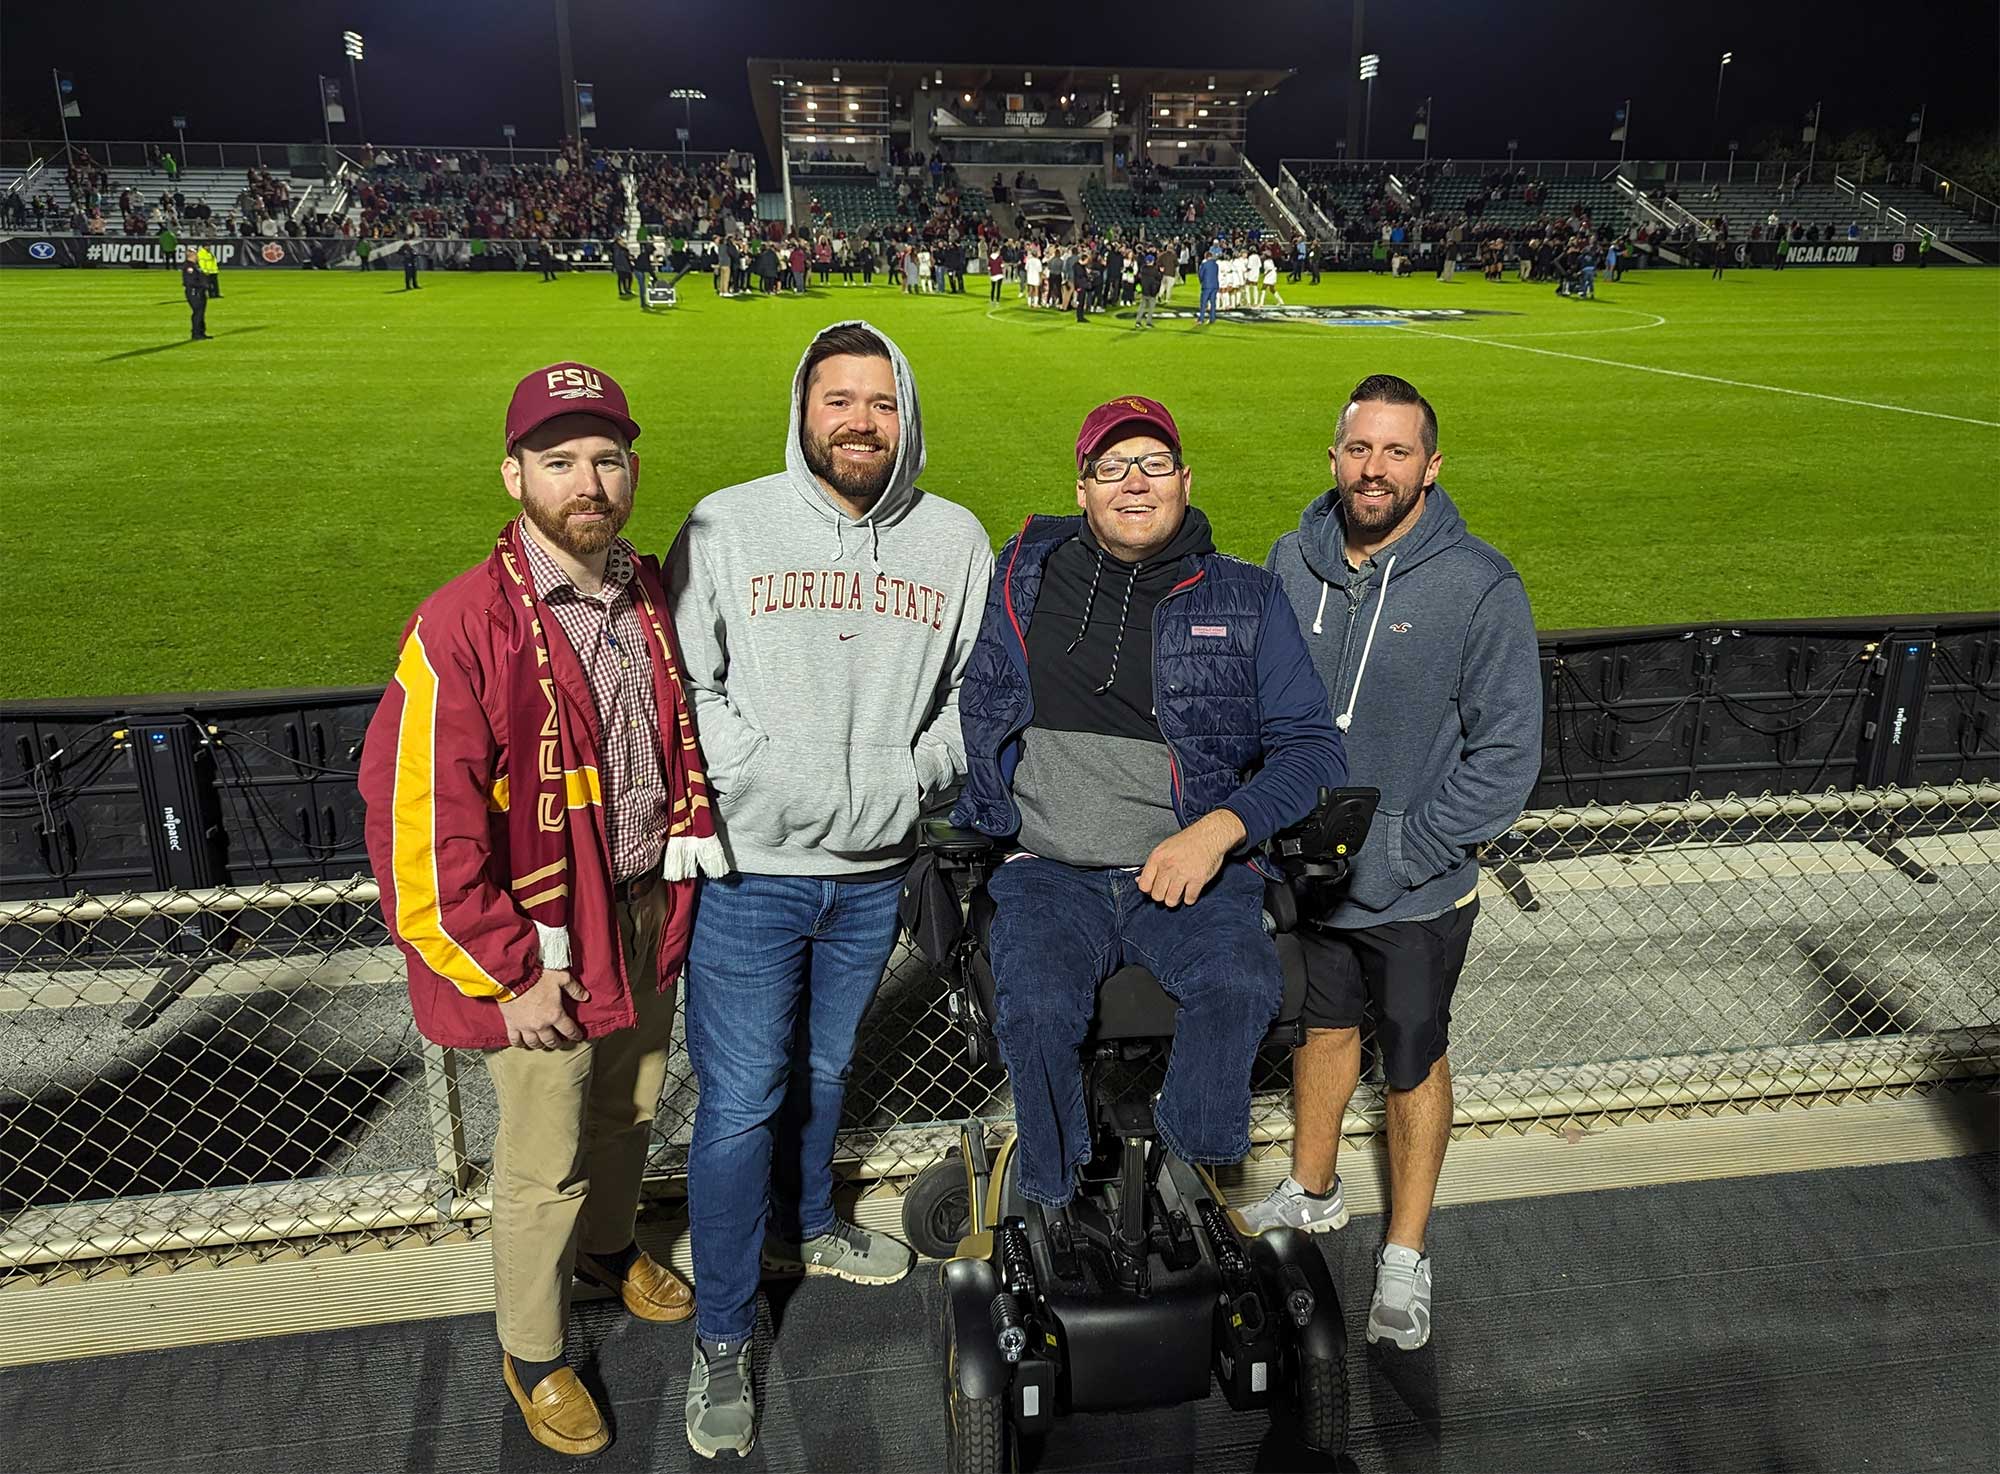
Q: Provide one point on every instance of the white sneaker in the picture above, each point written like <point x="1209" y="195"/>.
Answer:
<point x="1291" y="1206"/>
<point x="1401" y="1309"/>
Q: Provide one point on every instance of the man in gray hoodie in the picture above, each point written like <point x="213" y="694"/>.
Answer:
<point x="1424" y="638"/>
<point x="825" y="614"/>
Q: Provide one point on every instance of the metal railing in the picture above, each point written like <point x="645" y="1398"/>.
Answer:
<point x="187" y="1073"/>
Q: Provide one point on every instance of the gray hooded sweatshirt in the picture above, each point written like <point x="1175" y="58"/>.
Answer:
<point x="824" y="655"/>
<point x="1428" y="652"/>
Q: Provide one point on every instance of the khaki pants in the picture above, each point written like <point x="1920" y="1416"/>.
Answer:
<point x="575" y="1125"/>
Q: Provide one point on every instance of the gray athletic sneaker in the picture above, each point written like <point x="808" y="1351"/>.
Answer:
<point x="1291" y="1206"/>
<point x="843" y="1251"/>
<point x="1401" y="1309"/>
<point x="721" y="1410"/>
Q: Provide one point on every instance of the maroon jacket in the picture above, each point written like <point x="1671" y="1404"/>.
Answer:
<point x="433" y="776"/>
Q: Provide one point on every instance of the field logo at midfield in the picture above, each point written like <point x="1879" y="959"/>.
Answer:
<point x="42" y="251"/>
<point x="1339" y="317"/>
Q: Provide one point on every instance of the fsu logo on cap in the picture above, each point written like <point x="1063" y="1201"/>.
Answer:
<point x="574" y="383"/>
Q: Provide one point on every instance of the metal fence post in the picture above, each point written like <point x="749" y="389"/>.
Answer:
<point x="447" y="1122"/>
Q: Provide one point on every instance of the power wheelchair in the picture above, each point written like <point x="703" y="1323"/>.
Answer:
<point x="1146" y="1284"/>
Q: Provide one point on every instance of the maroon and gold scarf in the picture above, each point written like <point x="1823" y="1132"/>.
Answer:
<point x="543" y="759"/>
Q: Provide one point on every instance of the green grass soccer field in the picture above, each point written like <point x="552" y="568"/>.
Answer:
<point x="265" y="509"/>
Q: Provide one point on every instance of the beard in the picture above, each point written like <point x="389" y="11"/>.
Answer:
<point x="1371" y="519"/>
<point x="862" y="483"/>
<point x="579" y="540"/>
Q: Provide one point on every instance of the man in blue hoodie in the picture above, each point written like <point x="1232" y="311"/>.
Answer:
<point x="1211" y="285"/>
<point x="825" y="615"/>
<point x="1424" y="638"/>
<point x="1139" y="714"/>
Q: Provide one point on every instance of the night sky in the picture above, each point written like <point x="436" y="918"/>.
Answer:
<point x="1548" y="72"/>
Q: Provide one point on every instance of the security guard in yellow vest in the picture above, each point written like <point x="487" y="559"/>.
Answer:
<point x="205" y="259"/>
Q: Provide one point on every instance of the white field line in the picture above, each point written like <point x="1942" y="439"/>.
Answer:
<point x="1645" y="368"/>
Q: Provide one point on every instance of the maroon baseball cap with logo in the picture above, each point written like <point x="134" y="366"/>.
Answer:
<point x="567" y="389"/>
<point x="1128" y="414"/>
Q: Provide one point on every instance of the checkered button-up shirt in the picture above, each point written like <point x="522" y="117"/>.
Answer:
<point x="609" y="638"/>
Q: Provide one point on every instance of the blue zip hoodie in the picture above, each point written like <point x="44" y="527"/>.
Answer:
<point x="1429" y="655"/>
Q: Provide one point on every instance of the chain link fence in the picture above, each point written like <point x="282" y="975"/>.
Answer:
<point x="203" y="1075"/>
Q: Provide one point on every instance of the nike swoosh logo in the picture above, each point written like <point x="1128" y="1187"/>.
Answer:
<point x="847" y="637"/>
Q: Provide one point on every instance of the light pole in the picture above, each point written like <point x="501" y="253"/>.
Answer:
<point x="687" y="97"/>
<point x="1512" y="145"/>
<point x="350" y="42"/>
<point x="1732" y="161"/>
<point x="1371" y="68"/>
<point x="1812" y="141"/>
<point x="507" y="132"/>
<point x="180" y="132"/>
<point x="1428" y="101"/>
<point x="1721" y="69"/>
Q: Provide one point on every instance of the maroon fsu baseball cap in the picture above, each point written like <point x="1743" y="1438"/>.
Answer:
<point x="567" y="389"/>
<point x="1103" y="424"/>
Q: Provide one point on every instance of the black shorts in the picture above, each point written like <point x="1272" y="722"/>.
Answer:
<point x="1404" y="973"/>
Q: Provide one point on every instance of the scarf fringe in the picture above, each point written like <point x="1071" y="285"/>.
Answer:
<point x="688" y="856"/>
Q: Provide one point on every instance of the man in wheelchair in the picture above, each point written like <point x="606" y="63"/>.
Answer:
<point x="1140" y="713"/>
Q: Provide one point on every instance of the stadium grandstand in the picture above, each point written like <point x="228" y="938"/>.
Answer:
<point x="1717" y="1115"/>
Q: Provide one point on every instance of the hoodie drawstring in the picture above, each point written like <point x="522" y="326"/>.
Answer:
<point x="1089" y="600"/>
<point x="1124" y="609"/>
<point x="1319" y="612"/>
<point x="1346" y="718"/>
<point x="1118" y="643"/>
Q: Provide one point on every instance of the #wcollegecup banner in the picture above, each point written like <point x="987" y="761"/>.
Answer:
<point x="231" y="252"/>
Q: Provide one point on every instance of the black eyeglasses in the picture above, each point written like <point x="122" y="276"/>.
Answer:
<point x="1110" y="470"/>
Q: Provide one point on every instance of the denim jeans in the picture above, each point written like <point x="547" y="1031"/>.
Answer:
<point x="779" y="973"/>
<point x="1058" y="932"/>
<point x="1205" y="309"/>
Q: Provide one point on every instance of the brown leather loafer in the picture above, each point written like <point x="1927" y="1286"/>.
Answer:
<point x="649" y="1289"/>
<point x="560" y="1412"/>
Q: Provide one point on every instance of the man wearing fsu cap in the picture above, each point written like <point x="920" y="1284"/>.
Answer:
<point x="1138" y="710"/>
<point x="537" y="813"/>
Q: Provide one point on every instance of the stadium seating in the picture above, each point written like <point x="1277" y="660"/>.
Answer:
<point x="845" y="206"/>
<point x="1160" y="213"/>
<point x="1827" y="206"/>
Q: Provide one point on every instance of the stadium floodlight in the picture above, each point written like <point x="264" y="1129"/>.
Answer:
<point x="854" y="107"/>
<point x="687" y="97"/>
<point x="1027" y="79"/>
<point x="1371" y="68"/>
<point x="836" y="74"/>
<point x="811" y="106"/>
<point x="1166" y="112"/>
<point x="350" y="43"/>
<point x="1201" y="112"/>
<point x="940" y="77"/>
<point x="1722" y="67"/>
<point x="965" y="97"/>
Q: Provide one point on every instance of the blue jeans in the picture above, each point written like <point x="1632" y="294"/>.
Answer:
<point x="1205" y="309"/>
<point x="780" y="970"/>
<point x="1058" y="932"/>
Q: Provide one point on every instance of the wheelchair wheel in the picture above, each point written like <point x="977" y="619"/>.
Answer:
<point x="976" y="1431"/>
<point x="1319" y="1396"/>
<point x="937" y="1209"/>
